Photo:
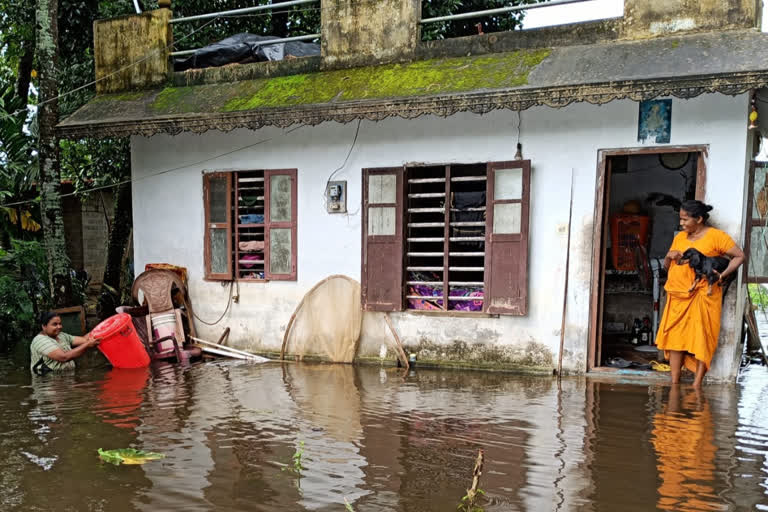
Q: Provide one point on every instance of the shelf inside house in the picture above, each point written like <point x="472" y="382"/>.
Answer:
<point x="249" y="226"/>
<point x="445" y="237"/>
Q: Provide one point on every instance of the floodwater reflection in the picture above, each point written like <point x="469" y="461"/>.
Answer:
<point x="271" y="437"/>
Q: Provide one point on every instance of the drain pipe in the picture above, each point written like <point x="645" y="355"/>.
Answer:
<point x="565" y="291"/>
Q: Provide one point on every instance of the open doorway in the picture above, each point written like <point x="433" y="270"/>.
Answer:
<point x="638" y="202"/>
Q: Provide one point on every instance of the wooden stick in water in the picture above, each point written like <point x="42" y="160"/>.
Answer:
<point x="398" y="344"/>
<point x="223" y="337"/>
<point x="476" y="473"/>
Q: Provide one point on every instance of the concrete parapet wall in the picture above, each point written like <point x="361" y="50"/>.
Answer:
<point x="383" y="30"/>
<point x="120" y="42"/>
<point x="651" y="18"/>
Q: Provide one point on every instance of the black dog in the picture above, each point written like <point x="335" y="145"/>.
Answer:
<point x="708" y="267"/>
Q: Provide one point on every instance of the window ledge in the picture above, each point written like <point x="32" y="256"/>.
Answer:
<point x="453" y="314"/>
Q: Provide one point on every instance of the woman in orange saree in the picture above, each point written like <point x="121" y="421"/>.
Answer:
<point x="690" y="324"/>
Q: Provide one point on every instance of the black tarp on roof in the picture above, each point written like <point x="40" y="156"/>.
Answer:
<point x="242" y="48"/>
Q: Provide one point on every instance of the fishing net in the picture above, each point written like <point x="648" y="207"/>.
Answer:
<point x="327" y="322"/>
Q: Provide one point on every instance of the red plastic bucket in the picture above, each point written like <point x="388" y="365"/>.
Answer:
<point x="120" y="343"/>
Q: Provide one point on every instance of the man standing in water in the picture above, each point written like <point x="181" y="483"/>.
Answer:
<point x="53" y="350"/>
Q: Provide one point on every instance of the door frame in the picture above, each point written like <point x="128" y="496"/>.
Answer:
<point x="600" y="228"/>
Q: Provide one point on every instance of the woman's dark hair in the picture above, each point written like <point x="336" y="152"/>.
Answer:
<point x="696" y="209"/>
<point x="47" y="317"/>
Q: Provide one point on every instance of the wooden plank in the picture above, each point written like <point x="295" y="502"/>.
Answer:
<point x="426" y="195"/>
<point x="426" y="180"/>
<point x="469" y="178"/>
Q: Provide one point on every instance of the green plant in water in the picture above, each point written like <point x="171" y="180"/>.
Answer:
<point x="128" y="456"/>
<point x="297" y="460"/>
<point x="468" y="503"/>
<point x="347" y="506"/>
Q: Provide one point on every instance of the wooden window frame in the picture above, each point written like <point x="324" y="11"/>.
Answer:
<point x="493" y="239"/>
<point x="447" y="239"/>
<point x="751" y="223"/>
<point x="397" y="303"/>
<point x="230" y="225"/>
<point x="519" y="309"/>
<point x="269" y="224"/>
<point x="209" y="275"/>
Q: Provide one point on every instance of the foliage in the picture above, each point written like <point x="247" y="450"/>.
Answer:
<point x="24" y="291"/>
<point x="128" y="456"/>
<point x="297" y="20"/>
<point x="467" y="502"/>
<point x="758" y="295"/>
<point x="297" y="460"/>
<point x="467" y="27"/>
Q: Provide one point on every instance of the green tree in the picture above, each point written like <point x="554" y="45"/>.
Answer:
<point x="60" y="281"/>
<point x="456" y="28"/>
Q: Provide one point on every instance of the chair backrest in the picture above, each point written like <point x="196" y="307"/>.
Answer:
<point x="156" y="286"/>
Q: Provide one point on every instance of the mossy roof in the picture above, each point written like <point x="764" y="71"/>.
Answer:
<point x="682" y="66"/>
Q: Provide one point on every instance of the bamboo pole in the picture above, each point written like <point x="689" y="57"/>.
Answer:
<point x="565" y="291"/>
<point x="476" y="474"/>
<point x="398" y="344"/>
<point x="224" y="348"/>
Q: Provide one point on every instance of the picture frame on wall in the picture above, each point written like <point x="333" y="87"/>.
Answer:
<point x="654" y="123"/>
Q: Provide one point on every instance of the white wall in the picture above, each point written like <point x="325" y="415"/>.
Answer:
<point x="168" y="212"/>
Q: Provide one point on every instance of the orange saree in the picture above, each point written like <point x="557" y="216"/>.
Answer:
<point x="691" y="320"/>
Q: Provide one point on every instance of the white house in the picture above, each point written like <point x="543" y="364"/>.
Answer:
<point x="422" y="139"/>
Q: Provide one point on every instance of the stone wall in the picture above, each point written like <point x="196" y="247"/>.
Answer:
<point x="96" y="234"/>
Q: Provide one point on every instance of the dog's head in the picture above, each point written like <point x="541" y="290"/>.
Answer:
<point x="691" y="257"/>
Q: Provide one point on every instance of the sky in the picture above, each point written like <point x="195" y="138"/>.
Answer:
<point x="592" y="10"/>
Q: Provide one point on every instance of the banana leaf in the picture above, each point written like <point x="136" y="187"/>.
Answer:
<point x="128" y="456"/>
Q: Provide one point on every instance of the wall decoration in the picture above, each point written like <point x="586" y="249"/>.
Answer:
<point x="655" y="121"/>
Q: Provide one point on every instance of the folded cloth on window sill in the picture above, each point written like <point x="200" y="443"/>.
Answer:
<point x="252" y="218"/>
<point x="252" y="246"/>
<point x="250" y="257"/>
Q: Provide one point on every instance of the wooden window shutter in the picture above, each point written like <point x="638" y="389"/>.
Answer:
<point x="382" y="232"/>
<point x="280" y="225"/>
<point x="217" y="202"/>
<point x="506" y="237"/>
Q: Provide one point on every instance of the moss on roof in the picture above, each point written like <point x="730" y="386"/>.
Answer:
<point x="428" y="77"/>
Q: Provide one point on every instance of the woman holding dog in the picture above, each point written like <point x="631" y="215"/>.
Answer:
<point x="690" y="325"/>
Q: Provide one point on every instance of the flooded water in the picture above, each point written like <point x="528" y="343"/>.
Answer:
<point x="315" y="437"/>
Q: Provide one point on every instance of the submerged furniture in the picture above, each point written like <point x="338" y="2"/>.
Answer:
<point x="157" y="288"/>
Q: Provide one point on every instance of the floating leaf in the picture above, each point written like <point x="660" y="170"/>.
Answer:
<point x="128" y="456"/>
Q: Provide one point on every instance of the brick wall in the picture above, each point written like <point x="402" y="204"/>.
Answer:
<point x="73" y="230"/>
<point x="95" y="233"/>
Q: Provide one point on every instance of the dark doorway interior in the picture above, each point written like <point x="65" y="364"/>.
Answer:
<point x="641" y="204"/>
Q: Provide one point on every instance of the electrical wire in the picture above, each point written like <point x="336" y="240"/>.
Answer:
<point x="346" y="159"/>
<point x="164" y="171"/>
<point x="153" y="52"/>
<point x="229" y="303"/>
